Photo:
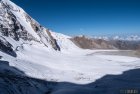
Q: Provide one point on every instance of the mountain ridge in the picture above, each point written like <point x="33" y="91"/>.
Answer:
<point x="17" y="24"/>
<point x="106" y="43"/>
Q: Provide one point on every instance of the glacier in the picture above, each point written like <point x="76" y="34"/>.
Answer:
<point x="37" y="60"/>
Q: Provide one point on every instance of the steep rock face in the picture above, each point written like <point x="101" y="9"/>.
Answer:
<point x="17" y="24"/>
<point x="9" y="24"/>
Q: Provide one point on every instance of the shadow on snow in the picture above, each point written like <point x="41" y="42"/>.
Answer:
<point x="14" y="81"/>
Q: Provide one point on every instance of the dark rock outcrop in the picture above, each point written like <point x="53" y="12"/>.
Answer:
<point x="6" y="47"/>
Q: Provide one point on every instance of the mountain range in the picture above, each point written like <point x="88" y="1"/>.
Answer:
<point x="106" y="43"/>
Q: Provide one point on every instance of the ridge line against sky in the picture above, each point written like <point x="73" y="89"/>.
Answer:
<point x="88" y="17"/>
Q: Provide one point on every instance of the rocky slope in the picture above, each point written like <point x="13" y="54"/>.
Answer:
<point x="88" y="43"/>
<point x="95" y="43"/>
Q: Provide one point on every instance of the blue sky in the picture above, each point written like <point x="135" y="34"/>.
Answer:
<point x="89" y="17"/>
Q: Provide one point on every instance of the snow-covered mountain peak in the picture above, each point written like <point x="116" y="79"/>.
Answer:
<point x="17" y="24"/>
